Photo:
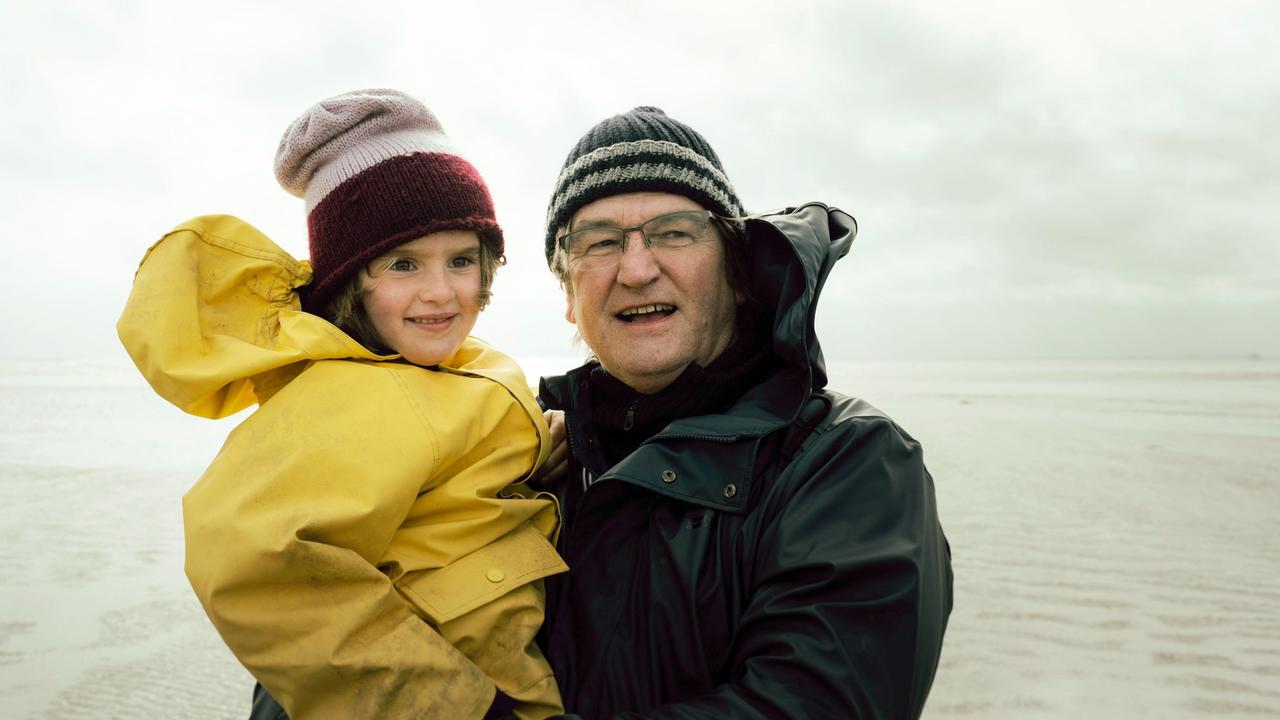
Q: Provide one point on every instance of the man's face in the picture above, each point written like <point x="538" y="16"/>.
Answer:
<point x="650" y="316"/>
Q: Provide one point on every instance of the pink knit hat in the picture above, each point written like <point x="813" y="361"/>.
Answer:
<point x="376" y="171"/>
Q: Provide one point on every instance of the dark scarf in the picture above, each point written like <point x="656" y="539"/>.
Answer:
<point x="625" y="418"/>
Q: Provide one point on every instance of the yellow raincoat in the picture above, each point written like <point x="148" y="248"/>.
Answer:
<point x="358" y="541"/>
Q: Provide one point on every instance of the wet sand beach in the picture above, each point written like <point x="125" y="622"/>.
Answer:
<point x="1112" y="525"/>
<point x="1113" y="535"/>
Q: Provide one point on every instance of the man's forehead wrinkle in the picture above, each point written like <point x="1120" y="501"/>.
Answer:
<point x="653" y="204"/>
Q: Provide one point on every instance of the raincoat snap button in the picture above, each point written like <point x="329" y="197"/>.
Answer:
<point x="495" y="575"/>
<point x="668" y="476"/>
<point x="730" y="490"/>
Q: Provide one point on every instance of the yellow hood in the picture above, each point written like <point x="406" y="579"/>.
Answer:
<point x="215" y="324"/>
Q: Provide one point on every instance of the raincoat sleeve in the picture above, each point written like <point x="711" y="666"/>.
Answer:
<point x="284" y="532"/>
<point x="852" y="588"/>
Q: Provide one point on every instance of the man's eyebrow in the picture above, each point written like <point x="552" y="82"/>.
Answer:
<point x="593" y="224"/>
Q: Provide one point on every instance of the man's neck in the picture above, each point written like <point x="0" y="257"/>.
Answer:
<point x="624" y="415"/>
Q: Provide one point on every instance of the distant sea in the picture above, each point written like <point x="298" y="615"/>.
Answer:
<point x="1113" y="527"/>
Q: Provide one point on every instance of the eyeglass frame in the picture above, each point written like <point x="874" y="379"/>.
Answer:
<point x="562" y="241"/>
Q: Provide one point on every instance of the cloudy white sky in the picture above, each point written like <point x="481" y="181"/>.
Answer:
<point x="1032" y="179"/>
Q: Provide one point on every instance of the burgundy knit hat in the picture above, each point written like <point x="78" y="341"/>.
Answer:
<point x="376" y="171"/>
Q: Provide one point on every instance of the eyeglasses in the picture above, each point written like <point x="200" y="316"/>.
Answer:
<point x="600" y="247"/>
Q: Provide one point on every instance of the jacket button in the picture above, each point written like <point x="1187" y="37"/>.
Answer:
<point x="668" y="476"/>
<point x="494" y="575"/>
<point x="730" y="490"/>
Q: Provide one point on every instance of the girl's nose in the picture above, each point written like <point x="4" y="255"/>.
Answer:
<point x="435" y="288"/>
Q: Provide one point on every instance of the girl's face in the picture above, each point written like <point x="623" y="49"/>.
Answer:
<point x="423" y="297"/>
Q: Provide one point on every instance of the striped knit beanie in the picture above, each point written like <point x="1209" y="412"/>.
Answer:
<point x="644" y="150"/>
<point x="376" y="171"/>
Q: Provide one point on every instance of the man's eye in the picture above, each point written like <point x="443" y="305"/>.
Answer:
<point x="600" y="246"/>
<point x="676" y="235"/>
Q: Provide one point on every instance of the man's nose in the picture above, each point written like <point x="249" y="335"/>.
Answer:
<point x="638" y="266"/>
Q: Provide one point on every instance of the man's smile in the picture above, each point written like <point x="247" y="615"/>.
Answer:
<point x="655" y="311"/>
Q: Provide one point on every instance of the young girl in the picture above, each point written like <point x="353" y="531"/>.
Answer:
<point x="363" y="541"/>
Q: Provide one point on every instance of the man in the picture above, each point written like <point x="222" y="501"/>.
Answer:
<point x="743" y="542"/>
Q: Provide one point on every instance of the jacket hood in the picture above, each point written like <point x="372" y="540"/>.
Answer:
<point x="792" y="252"/>
<point x="215" y="325"/>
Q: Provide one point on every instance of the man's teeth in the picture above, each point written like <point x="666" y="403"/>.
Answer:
<point x="646" y="309"/>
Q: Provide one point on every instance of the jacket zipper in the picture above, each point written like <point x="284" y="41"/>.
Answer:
<point x="689" y="436"/>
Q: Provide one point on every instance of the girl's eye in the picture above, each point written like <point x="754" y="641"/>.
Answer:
<point x="401" y="265"/>
<point x="462" y="261"/>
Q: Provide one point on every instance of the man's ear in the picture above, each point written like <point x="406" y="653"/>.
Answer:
<point x="568" y="308"/>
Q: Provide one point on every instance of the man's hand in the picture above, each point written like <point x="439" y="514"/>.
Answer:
<point x="557" y="463"/>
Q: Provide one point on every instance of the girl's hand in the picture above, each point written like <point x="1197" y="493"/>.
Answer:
<point x="557" y="464"/>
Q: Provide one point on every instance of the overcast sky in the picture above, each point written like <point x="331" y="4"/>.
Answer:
<point x="1032" y="180"/>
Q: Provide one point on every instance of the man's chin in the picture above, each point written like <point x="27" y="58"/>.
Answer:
<point x="646" y="375"/>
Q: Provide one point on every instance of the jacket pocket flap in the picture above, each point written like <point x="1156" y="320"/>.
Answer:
<point x="516" y="559"/>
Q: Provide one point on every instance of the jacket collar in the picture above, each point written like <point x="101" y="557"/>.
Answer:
<point x="706" y="460"/>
